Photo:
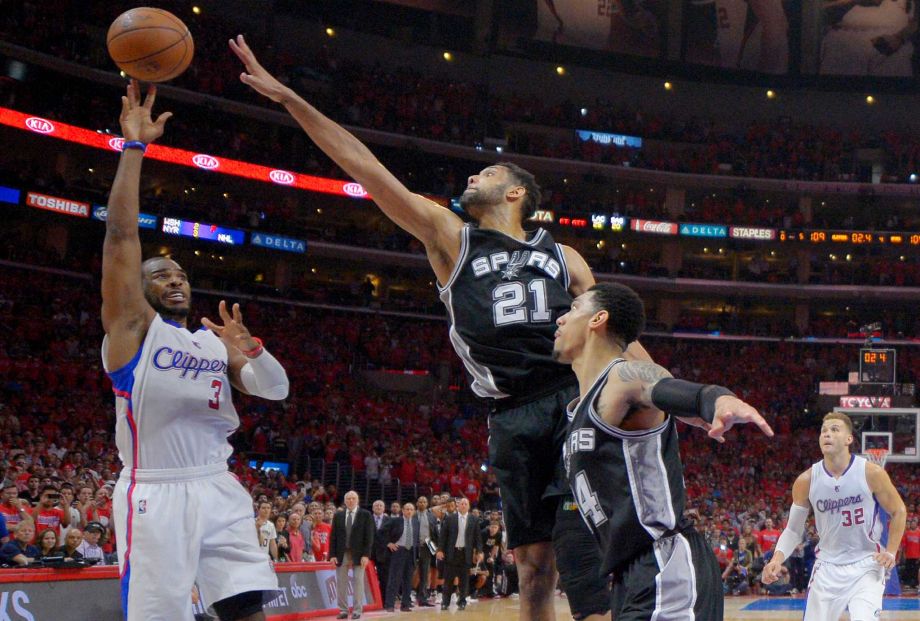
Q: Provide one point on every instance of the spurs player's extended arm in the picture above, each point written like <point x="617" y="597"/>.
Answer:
<point x="126" y="315"/>
<point x="794" y="532"/>
<point x="887" y="496"/>
<point x="436" y="227"/>
<point x="645" y="390"/>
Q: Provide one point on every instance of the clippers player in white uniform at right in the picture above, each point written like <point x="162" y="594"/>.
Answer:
<point x="845" y="492"/>
<point x="181" y="517"/>
<point x="871" y="37"/>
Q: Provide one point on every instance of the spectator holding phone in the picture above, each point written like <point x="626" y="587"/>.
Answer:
<point x="48" y="513"/>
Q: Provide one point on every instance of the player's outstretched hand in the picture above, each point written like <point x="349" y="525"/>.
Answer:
<point x="731" y="411"/>
<point x="233" y="332"/>
<point x="771" y="572"/>
<point x="255" y="75"/>
<point x="136" y="120"/>
<point x="885" y="558"/>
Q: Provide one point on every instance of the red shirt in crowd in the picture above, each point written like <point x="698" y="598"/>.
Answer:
<point x="912" y="544"/>
<point x="49" y="518"/>
<point x="321" y="534"/>
<point x="11" y="514"/>
<point x="295" y="539"/>
<point x="768" y="539"/>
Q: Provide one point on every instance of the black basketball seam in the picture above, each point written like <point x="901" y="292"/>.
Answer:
<point x="124" y="32"/>
<point x="136" y="60"/>
<point x="169" y="74"/>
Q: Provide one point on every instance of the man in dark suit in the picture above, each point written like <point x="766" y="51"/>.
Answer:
<point x="427" y="530"/>
<point x="401" y="535"/>
<point x="350" y="547"/>
<point x="460" y="543"/>
<point x="379" y="553"/>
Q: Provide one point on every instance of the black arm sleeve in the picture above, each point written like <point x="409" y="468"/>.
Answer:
<point x="683" y="398"/>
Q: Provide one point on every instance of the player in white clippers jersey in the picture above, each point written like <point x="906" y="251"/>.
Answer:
<point x="845" y="492"/>
<point x="869" y="37"/>
<point x="181" y="518"/>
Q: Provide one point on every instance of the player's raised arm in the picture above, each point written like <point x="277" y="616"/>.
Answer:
<point x="887" y="496"/>
<point x="125" y="312"/>
<point x="712" y="407"/>
<point x="794" y="532"/>
<point x="433" y="225"/>
<point x="253" y="370"/>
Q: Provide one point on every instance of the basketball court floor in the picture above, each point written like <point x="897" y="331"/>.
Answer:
<point x="736" y="609"/>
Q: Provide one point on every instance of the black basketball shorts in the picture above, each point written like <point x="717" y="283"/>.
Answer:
<point x="578" y="559"/>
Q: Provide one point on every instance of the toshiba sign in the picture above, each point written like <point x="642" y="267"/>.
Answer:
<point x="60" y="205"/>
<point x="653" y="226"/>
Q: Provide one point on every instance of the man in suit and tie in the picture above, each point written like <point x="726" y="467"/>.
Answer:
<point x="379" y="553"/>
<point x="460" y="543"/>
<point x="427" y="530"/>
<point x="350" y="547"/>
<point x="402" y="541"/>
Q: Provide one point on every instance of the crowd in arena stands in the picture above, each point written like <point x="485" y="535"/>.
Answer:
<point x="407" y="102"/>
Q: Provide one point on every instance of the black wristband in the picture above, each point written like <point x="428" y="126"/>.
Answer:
<point x="682" y="398"/>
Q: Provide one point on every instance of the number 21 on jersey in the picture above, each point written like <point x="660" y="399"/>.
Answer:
<point x="511" y="303"/>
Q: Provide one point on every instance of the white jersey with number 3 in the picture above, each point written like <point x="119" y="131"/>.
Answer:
<point x="846" y="513"/>
<point x="173" y="400"/>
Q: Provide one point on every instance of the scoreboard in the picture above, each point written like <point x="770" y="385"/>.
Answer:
<point x="877" y="366"/>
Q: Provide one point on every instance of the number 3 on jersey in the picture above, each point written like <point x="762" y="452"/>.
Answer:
<point x="511" y="299"/>
<point x="214" y="401"/>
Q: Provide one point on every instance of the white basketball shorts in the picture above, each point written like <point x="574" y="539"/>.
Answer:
<point x="834" y="588"/>
<point x="179" y="527"/>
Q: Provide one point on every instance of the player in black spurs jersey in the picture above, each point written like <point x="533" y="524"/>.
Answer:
<point x="503" y="288"/>
<point x="623" y="463"/>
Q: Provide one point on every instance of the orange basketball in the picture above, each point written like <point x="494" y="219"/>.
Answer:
<point x="150" y="44"/>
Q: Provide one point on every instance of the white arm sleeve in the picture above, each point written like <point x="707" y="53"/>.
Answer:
<point x="795" y="531"/>
<point x="263" y="376"/>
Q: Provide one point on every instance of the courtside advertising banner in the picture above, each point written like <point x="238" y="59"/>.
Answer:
<point x="307" y="590"/>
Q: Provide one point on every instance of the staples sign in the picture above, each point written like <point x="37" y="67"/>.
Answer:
<point x="354" y="189"/>
<point x="281" y="176"/>
<point x="850" y="401"/>
<point x="653" y="226"/>
<point x="40" y="125"/>
<point x="60" y="205"/>
<point x="208" y="162"/>
<point x="751" y="232"/>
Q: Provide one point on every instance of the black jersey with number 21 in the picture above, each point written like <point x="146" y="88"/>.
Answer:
<point x="503" y="299"/>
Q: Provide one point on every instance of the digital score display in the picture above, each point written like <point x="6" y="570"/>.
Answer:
<point x="877" y="366"/>
<point x="853" y="238"/>
<point x="201" y="230"/>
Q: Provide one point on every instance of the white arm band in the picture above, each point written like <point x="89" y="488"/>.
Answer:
<point x="794" y="533"/>
<point x="263" y="376"/>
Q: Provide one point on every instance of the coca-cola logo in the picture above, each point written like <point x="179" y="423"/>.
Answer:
<point x="281" y="176"/>
<point x="117" y="144"/>
<point x="40" y="125"/>
<point x="354" y="189"/>
<point x="208" y="162"/>
<point x="653" y="226"/>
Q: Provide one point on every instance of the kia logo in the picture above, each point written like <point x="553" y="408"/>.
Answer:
<point x="281" y="176"/>
<point x="42" y="126"/>
<point x="205" y="161"/>
<point x="354" y="189"/>
<point x="117" y="144"/>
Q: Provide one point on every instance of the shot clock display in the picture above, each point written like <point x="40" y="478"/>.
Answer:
<point x="877" y="366"/>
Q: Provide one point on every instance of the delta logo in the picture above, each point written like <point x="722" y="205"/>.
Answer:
<point x="354" y="189"/>
<point x="207" y="162"/>
<point x="40" y="125"/>
<point x="281" y="176"/>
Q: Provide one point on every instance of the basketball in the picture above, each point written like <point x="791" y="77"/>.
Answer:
<point x="150" y="44"/>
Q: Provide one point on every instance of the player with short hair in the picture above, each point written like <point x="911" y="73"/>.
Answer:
<point x="173" y="415"/>
<point x="503" y="289"/>
<point x="623" y="461"/>
<point x="845" y="491"/>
